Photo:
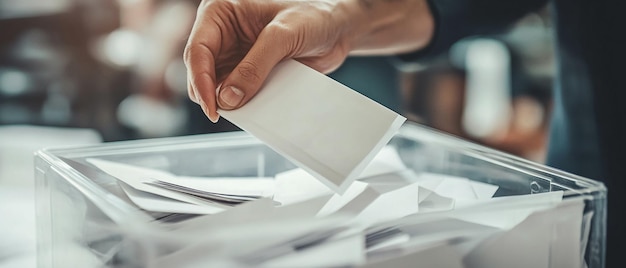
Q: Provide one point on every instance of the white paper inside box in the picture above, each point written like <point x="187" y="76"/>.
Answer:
<point x="227" y="200"/>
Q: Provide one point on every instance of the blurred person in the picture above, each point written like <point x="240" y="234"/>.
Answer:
<point x="235" y="44"/>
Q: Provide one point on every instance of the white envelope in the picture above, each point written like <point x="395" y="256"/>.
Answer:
<point x="297" y="185"/>
<point x="374" y="203"/>
<point x="154" y="198"/>
<point x="136" y="177"/>
<point x="157" y="203"/>
<point x="322" y="126"/>
<point x="546" y="238"/>
<point x="430" y="201"/>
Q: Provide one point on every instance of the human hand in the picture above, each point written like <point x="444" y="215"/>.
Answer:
<point x="235" y="44"/>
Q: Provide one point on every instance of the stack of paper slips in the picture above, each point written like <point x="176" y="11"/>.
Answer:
<point x="390" y="216"/>
<point x="160" y="191"/>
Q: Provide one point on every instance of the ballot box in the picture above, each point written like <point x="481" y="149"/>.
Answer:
<point x="228" y="200"/>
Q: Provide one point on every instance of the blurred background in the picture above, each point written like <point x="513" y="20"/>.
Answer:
<point x="76" y="72"/>
<point x="115" y="66"/>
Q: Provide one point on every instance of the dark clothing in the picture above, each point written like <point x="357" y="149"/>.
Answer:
<point x="588" y="128"/>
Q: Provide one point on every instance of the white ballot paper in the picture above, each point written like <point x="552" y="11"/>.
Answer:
<point x="386" y="161"/>
<point x="546" y="238"/>
<point x="324" y="127"/>
<point x="141" y="185"/>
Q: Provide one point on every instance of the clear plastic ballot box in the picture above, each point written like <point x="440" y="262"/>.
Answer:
<point x="86" y="219"/>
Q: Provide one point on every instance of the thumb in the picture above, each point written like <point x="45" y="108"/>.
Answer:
<point x="248" y="76"/>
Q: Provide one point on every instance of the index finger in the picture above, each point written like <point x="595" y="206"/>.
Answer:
<point x="203" y="44"/>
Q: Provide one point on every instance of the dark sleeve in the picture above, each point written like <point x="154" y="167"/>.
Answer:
<point x="456" y="19"/>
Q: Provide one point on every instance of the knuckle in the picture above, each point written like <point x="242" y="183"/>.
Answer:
<point x="280" y="30"/>
<point x="284" y="36"/>
<point x="195" y="52"/>
<point x="249" y="72"/>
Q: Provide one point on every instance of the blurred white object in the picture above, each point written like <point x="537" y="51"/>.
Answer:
<point x="13" y="82"/>
<point x="151" y="117"/>
<point x="121" y="48"/>
<point x="488" y="94"/>
<point x="176" y="76"/>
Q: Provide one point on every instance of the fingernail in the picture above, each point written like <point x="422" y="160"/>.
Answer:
<point x="206" y="112"/>
<point x="214" y="119"/>
<point x="231" y="96"/>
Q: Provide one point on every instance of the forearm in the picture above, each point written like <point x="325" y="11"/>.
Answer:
<point x="389" y="26"/>
<point x="234" y="45"/>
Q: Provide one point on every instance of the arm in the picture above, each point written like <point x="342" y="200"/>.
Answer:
<point x="235" y="44"/>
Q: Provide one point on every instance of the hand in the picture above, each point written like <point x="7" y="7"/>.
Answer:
<point x="235" y="44"/>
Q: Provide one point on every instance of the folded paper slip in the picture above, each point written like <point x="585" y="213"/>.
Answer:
<point x="324" y="127"/>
